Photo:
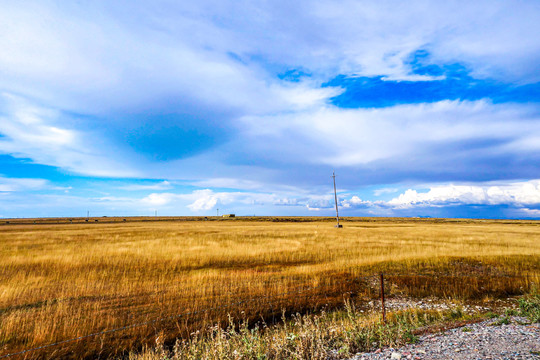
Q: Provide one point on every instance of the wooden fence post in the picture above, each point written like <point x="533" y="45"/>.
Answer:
<point x="382" y="299"/>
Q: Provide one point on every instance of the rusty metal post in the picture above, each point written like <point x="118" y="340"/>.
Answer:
<point x="382" y="299"/>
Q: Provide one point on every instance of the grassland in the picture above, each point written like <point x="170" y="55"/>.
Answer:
<point x="59" y="281"/>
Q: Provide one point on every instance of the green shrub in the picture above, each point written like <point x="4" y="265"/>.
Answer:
<point x="529" y="306"/>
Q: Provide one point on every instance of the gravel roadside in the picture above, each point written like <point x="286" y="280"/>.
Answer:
<point x="519" y="339"/>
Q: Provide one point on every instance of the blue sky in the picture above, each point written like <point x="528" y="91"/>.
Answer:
<point x="128" y="107"/>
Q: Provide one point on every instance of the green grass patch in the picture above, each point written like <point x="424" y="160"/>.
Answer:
<point x="529" y="306"/>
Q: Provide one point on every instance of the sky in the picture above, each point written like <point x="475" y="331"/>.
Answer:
<point x="122" y="108"/>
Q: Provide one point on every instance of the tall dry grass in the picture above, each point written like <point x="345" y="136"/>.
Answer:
<point x="62" y="281"/>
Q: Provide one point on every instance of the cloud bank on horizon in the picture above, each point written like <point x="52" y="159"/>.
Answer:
<point x="422" y="108"/>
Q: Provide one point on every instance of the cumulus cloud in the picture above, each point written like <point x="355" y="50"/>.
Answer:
<point x="493" y="199"/>
<point x="206" y="200"/>
<point x="520" y="194"/>
<point x="159" y="199"/>
<point x="356" y="202"/>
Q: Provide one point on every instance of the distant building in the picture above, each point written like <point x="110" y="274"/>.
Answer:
<point x="228" y="215"/>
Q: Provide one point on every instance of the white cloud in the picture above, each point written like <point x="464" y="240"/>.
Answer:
<point x="251" y="185"/>
<point x="30" y="131"/>
<point x="163" y="185"/>
<point x="159" y="199"/>
<point x="521" y="199"/>
<point x="206" y="200"/>
<point x="99" y="57"/>
<point x="355" y="201"/>
<point x="20" y="184"/>
<point x="521" y="194"/>
<point x="517" y="199"/>
<point x="382" y="191"/>
<point x="532" y="212"/>
<point x="349" y="137"/>
<point x="230" y="183"/>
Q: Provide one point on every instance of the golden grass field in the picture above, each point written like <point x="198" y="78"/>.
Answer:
<point x="60" y="281"/>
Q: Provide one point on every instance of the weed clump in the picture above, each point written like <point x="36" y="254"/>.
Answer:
<point x="529" y="306"/>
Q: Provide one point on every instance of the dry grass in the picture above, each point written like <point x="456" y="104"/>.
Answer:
<point x="332" y="335"/>
<point x="68" y="280"/>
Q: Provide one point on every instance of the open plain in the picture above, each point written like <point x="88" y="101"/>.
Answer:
<point x="60" y="280"/>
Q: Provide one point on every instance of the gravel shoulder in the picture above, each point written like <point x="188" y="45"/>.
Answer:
<point x="519" y="339"/>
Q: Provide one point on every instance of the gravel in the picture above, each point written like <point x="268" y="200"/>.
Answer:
<point x="395" y="304"/>
<point x="519" y="339"/>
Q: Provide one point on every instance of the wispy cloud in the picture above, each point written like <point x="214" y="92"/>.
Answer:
<point x="31" y="131"/>
<point x="382" y="191"/>
<point x="18" y="184"/>
<point x="443" y="134"/>
<point x="164" y="185"/>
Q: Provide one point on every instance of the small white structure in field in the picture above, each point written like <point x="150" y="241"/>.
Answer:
<point x="228" y="215"/>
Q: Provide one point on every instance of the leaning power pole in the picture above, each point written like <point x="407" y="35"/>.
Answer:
<point x="335" y="199"/>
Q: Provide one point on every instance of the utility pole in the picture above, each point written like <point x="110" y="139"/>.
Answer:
<point x="87" y="214"/>
<point x="155" y="214"/>
<point x="335" y="199"/>
<point x="217" y="212"/>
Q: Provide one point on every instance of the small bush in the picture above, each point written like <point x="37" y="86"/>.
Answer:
<point x="505" y="320"/>
<point x="529" y="306"/>
<point x="491" y="315"/>
<point x="456" y="313"/>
